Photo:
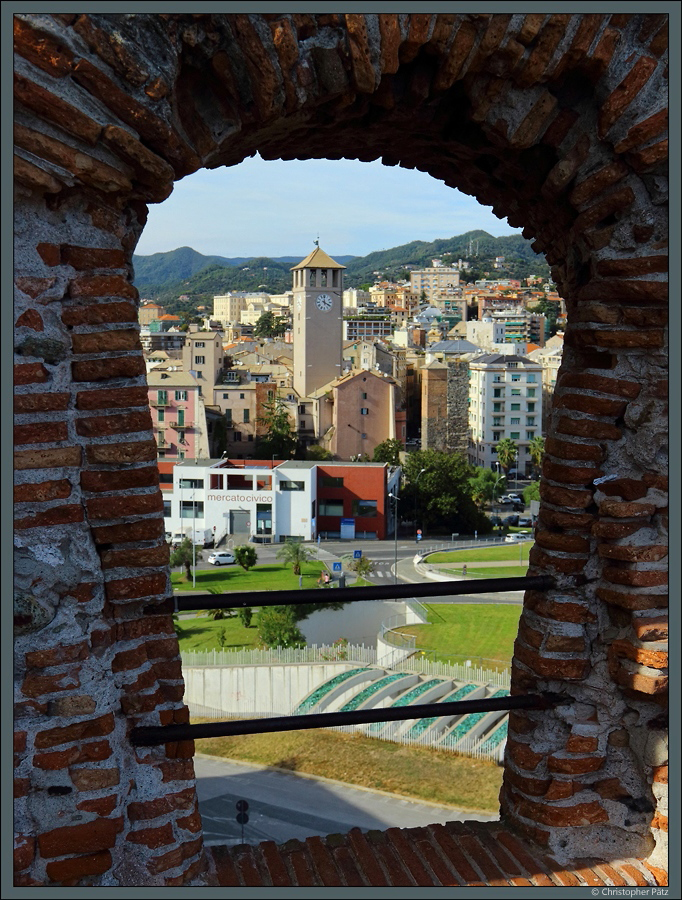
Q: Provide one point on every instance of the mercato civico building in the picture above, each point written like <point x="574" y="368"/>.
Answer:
<point x="231" y="500"/>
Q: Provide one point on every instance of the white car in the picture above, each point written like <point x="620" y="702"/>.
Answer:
<point x="518" y="536"/>
<point x="222" y="558"/>
<point x="514" y="498"/>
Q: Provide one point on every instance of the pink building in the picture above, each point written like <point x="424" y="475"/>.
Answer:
<point x="178" y="414"/>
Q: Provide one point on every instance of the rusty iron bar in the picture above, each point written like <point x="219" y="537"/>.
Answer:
<point x="240" y="599"/>
<point x="150" y="735"/>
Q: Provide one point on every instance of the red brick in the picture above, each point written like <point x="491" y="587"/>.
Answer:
<point x="82" y="258"/>
<point x="47" y="402"/>
<point x="579" y="743"/>
<point x="622" y="510"/>
<point x="78" y="866"/>
<point x="30" y="373"/>
<point x="655" y="659"/>
<point x="556" y="816"/>
<point x="167" y="648"/>
<point x="651" y="629"/>
<point x="96" y="481"/>
<point x="559" y="496"/>
<point x="30" y="318"/>
<point x="632" y="601"/>
<point x="86" y="779"/>
<point x="177" y="770"/>
<point x="135" y="703"/>
<point x="633" y="554"/>
<point x="477" y="853"/>
<point x="574" y="450"/>
<point x="644" y="131"/>
<point x="74" y="705"/>
<point x="135" y="628"/>
<point x="101" y="806"/>
<point x="47" y="458"/>
<point x="106" y="341"/>
<point x="621" y="97"/>
<point x="565" y="565"/>
<point x="111" y="454"/>
<point x="634" y="578"/>
<point x="57" y="515"/>
<point x="453" y="852"/>
<point x="120" y="507"/>
<point x="567" y="521"/>
<point x="21" y="787"/>
<point x="99" y="834"/>
<point x="35" y="287"/>
<point x="152" y="837"/>
<point x="112" y="398"/>
<point x="589" y="428"/>
<point x="180" y="750"/>
<point x="595" y="406"/>
<point x="559" y="643"/>
<point x="625" y="488"/>
<point x="140" y="557"/>
<point x="38" y="433"/>
<point x="169" y="669"/>
<point x="24" y="851"/>
<point x="190" y="823"/>
<point x="643" y="684"/>
<point x="129" y="659"/>
<point x="42" y="492"/>
<point x="552" y="667"/>
<point x="54" y="656"/>
<point x="49" y="253"/>
<point x="531" y="787"/>
<point x="144" y="530"/>
<point x="529" y="863"/>
<point x="112" y="367"/>
<point x="590" y="382"/>
<point x="565" y="474"/>
<point x="175" y="857"/>
<point x="616" y="530"/>
<point x="100" y="314"/>
<point x="41" y="48"/>
<point x="575" y="765"/>
<point x="591" y="187"/>
<point x="137" y="586"/>
<point x="102" y="286"/>
<point x="522" y="755"/>
<point x="567" y="543"/>
<point x="78" y="731"/>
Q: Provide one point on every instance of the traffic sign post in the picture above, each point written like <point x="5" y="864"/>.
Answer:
<point x="336" y="566"/>
<point x="242" y="816"/>
<point x="357" y="554"/>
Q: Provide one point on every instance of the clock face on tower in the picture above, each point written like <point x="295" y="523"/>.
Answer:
<point x="323" y="302"/>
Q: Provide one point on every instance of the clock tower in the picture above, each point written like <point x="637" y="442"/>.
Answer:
<point x="318" y="321"/>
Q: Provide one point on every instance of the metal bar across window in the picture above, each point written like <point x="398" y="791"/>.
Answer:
<point x="238" y="599"/>
<point x="149" y="735"/>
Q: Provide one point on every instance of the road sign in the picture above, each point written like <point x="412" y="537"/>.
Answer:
<point x="242" y="818"/>
<point x="242" y="805"/>
<point x="357" y="554"/>
<point x="336" y="566"/>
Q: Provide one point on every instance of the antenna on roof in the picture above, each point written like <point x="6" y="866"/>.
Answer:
<point x="317" y="242"/>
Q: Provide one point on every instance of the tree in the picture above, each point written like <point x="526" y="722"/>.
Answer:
<point x="277" y="627"/>
<point x="315" y="452"/>
<point x="245" y="614"/>
<point x="485" y="485"/>
<point x="437" y="488"/>
<point x="245" y="556"/>
<point x="269" y="325"/>
<point x="184" y="555"/>
<point x="536" y="448"/>
<point x="280" y="439"/>
<point x="388" y="451"/>
<point x="293" y="553"/>
<point x="532" y="492"/>
<point x="507" y="452"/>
<point x="362" y="566"/>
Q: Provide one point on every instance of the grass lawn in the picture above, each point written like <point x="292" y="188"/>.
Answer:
<point x="201" y="633"/>
<point x="473" y="630"/>
<point x="516" y="571"/>
<point x="418" y="772"/>
<point x="269" y="577"/>
<point x="484" y="554"/>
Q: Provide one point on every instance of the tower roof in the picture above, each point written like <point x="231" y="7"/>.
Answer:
<point x="318" y="259"/>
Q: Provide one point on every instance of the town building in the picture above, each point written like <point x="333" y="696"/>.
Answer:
<point x="505" y="401"/>
<point x="178" y="413"/>
<point x="226" y="502"/>
<point x="434" y="280"/>
<point x="150" y="312"/>
<point x="549" y="357"/>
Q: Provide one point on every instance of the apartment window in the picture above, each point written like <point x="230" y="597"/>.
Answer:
<point x="497" y="392"/>
<point x="530" y="407"/>
<point x="241" y="396"/>
<point x="228" y="417"/>
<point x="246" y="416"/>
<point x="237" y="436"/>
<point x="512" y="365"/>
<point x="199" y="344"/>
<point x="331" y="507"/>
<point x="516" y="392"/>
<point x="181" y="395"/>
<point x="366" y="508"/>
<point x="181" y="454"/>
<point x="165" y="478"/>
<point x="191" y="483"/>
<point x="531" y="379"/>
<point x="497" y="407"/>
<point x="162" y="397"/>
<point x="249" y="437"/>
<point x="364" y="411"/>
<point x="166" y="508"/>
<point x="530" y="420"/>
<point x="331" y="481"/>
<point x="515" y="406"/>
<point x="191" y="510"/>
<point x="161" y="416"/>
<point x="515" y="421"/>
<point x="530" y="435"/>
<point x="216" y="482"/>
<point x="271" y="396"/>
<point x="516" y="378"/>
<point x="364" y="395"/>
<point x="292" y="485"/>
<point x="199" y="360"/>
<point x="301" y="409"/>
<point x="530" y="392"/>
<point x="226" y="396"/>
<point x="498" y="423"/>
<point x="515" y="435"/>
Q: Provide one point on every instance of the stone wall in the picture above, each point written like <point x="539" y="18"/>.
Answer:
<point x="559" y="122"/>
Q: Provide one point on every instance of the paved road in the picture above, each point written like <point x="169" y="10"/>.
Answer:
<point x="285" y="805"/>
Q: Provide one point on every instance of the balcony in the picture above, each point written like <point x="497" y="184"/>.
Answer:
<point x="181" y="426"/>
<point x="160" y="402"/>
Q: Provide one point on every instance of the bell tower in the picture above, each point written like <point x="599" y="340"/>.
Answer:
<point x="317" y="321"/>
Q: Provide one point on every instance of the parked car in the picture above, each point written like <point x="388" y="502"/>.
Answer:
<point x="525" y="522"/>
<point x="518" y="537"/>
<point x="511" y="520"/>
<point x="514" y="498"/>
<point x="495" y="520"/>
<point x="222" y="558"/>
<point x="518" y="507"/>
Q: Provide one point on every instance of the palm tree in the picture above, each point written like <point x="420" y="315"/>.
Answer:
<point x="185" y="555"/>
<point x="506" y="453"/>
<point x="245" y="556"/>
<point x="295" y="554"/>
<point x="536" y="448"/>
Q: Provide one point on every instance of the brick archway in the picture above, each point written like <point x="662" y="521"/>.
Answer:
<point x="559" y="122"/>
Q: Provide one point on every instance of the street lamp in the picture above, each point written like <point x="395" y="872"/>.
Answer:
<point x="395" y="536"/>
<point x="416" y="505"/>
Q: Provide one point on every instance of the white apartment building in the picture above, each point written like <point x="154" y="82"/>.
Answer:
<point x="549" y="357"/>
<point x="227" y="308"/>
<point x="505" y="401"/>
<point x="354" y="297"/>
<point x="434" y="280"/>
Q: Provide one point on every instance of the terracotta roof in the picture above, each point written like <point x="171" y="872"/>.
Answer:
<point x="475" y="854"/>
<point x="318" y="259"/>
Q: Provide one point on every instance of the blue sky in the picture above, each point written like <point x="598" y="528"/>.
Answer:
<point x="277" y="208"/>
